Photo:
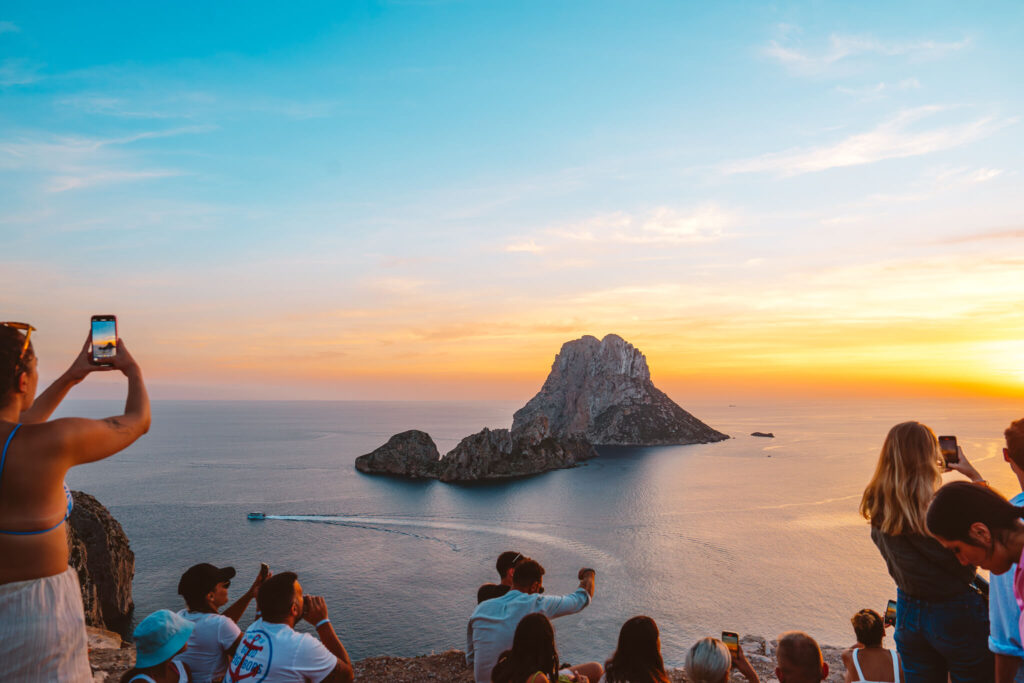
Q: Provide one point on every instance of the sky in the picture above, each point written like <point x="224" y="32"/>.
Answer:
<point x="424" y="200"/>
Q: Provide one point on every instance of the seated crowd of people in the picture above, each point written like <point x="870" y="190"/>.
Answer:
<point x="510" y="637"/>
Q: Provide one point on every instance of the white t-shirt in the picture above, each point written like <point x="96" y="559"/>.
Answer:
<point x="279" y="654"/>
<point x="207" y="652"/>
<point x="493" y="624"/>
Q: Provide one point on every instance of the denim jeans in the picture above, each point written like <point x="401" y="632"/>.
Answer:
<point x="936" y="638"/>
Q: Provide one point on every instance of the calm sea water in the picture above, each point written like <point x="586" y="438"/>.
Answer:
<point x="751" y="535"/>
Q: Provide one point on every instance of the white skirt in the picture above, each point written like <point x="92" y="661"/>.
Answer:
<point x="42" y="630"/>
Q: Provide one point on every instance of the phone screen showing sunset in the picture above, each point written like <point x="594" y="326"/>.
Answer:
<point x="104" y="339"/>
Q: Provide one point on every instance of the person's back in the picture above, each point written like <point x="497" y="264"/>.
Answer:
<point x="492" y="625"/>
<point x="868" y="661"/>
<point x="42" y="622"/>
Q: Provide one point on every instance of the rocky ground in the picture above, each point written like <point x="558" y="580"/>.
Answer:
<point x="110" y="659"/>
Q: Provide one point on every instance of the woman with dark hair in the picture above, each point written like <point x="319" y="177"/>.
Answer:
<point x="534" y="657"/>
<point x="979" y="526"/>
<point x="42" y="623"/>
<point x="868" y="661"/>
<point x="637" y="657"/>
<point x="941" y="620"/>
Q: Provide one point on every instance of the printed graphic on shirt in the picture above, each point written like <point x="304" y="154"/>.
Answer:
<point x="252" y="659"/>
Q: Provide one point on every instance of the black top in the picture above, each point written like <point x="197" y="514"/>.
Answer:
<point x="921" y="567"/>
<point x="491" y="590"/>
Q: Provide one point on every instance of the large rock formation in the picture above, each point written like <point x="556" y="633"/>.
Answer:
<point x="602" y="390"/>
<point x="105" y="563"/>
<point x="410" y="454"/>
<point x="503" y="453"/>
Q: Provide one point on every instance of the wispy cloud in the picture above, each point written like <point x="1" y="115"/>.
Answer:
<point x="660" y="226"/>
<point x="74" y="162"/>
<point x="987" y="236"/>
<point x="880" y="90"/>
<point x="841" y="48"/>
<point x="892" y="139"/>
<point x="18" y="71"/>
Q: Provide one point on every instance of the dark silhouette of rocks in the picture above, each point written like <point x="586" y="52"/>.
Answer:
<point x="504" y="453"/>
<point x="410" y="454"/>
<point x="488" y="454"/>
<point x="603" y="391"/>
<point x="105" y="563"/>
<point x="767" y="435"/>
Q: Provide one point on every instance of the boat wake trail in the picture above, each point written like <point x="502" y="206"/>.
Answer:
<point x="360" y="523"/>
<point x="388" y="524"/>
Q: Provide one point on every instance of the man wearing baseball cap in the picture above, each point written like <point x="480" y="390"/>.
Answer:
<point x="216" y="635"/>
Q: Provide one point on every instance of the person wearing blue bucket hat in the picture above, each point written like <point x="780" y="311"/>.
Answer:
<point x="158" y="638"/>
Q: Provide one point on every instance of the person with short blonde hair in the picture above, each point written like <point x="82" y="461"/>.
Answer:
<point x="709" y="661"/>
<point x="941" y="619"/>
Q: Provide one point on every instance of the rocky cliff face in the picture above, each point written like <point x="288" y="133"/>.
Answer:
<point x="503" y="453"/>
<point x="602" y="390"/>
<point x="488" y="454"/>
<point x="410" y="454"/>
<point x="105" y="563"/>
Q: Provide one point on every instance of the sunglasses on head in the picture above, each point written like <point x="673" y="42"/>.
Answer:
<point x="24" y="327"/>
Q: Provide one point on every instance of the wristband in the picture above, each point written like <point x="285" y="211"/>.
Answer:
<point x="322" y="622"/>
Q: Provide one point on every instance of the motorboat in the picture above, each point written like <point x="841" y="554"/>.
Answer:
<point x="257" y="515"/>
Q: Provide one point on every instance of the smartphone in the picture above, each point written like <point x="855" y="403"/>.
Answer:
<point x="264" y="570"/>
<point x="890" y="614"/>
<point x="947" y="445"/>
<point x="732" y="641"/>
<point x="104" y="339"/>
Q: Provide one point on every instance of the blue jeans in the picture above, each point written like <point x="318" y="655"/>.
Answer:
<point x="936" y="638"/>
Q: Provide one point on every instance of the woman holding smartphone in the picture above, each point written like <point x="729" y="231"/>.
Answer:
<point x="941" y="619"/>
<point x="42" y="622"/>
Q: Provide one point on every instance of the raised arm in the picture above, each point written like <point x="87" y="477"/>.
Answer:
<point x="83" y="440"/>
<point x="317" y="615"/>
<point x="47" y="402"/>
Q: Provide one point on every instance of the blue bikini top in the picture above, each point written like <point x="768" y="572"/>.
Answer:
<point x="67" y="493"/>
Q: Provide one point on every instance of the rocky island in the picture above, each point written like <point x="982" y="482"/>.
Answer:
<point x="598" y="392"/>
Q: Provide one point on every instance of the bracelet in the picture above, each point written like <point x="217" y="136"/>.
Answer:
<point x="322" y="622"/>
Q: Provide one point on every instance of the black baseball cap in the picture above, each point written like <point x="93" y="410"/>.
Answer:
<point x="200" y="579"/>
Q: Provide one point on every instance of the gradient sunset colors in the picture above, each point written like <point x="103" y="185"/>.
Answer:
<point x="412" y="200"/>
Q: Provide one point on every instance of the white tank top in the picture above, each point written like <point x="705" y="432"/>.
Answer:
<point x="143" y="678"/>
<point x="895" y="668"/>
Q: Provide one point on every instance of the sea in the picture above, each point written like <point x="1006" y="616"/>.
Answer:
<point x="754" y="535"/>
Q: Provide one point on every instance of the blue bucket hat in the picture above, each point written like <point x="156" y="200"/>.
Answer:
<point x="159" y="636"/>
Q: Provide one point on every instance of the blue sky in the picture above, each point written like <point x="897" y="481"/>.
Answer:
<point x="425" y="199"/>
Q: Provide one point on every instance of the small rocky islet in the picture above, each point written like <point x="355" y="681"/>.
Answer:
<point x="598" y="393"/>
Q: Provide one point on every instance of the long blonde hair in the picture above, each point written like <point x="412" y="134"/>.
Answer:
<point x="708" y="661"/>
<point x="904" y="481"/>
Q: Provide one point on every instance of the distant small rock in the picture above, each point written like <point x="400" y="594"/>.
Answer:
<point x="767" y="435"/>
<point x="410" y="454"/>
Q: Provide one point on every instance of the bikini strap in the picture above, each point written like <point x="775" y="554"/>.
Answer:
<point x="856" y="665"/>
<point x="3" y="457"/>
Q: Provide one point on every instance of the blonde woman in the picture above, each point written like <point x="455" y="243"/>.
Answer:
<point x="709" y="661"/>
<point x="941" y="620"/>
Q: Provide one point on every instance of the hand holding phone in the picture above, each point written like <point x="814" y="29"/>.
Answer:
<point x="104" y="339"/>
<point x="890" y="614"/>
<point x="949" y="450"/>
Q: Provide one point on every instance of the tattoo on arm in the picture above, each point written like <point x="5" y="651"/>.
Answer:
<point x="116" y="424"/>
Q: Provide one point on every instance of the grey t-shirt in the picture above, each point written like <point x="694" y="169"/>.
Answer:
<point x="921" y="567"/>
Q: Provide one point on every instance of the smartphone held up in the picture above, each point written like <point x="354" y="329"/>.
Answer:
<point x="104" y="339"/>
<point x="732" y="641"/>
<point x="948" y="448"/>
